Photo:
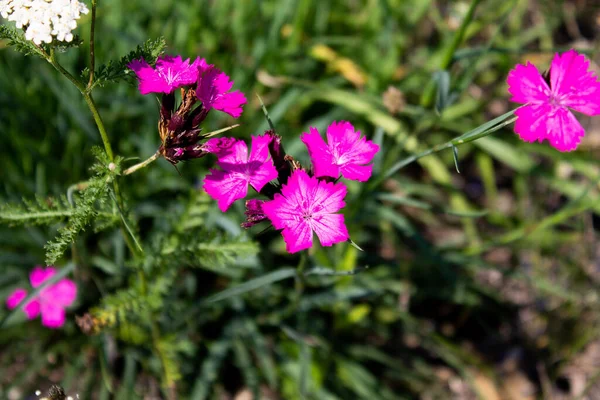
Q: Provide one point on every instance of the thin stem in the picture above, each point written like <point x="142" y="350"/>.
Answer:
<point x="155" y="331"/>
<point x="466" y="138"/>
<point x="300" y="280"/>
<point x="143" y="164"/>
<point x="92" y="55"/>
<point x="429" y="93"/>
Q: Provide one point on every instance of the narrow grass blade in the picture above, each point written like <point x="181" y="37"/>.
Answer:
<point x="252" y="284"/>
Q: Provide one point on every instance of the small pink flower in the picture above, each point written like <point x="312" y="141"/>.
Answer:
<point x="238" y="170"/>
<point x="50" y="302"/>
<point x="213" y="92"/>
<point x="345" y="152"/>
<point x="546" y="114"/>
<point x="169" y="74"/>
<point x="306" y="205"/>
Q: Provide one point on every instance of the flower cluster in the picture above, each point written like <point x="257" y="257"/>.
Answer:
<point x="44" y="19"/>
<point x="199" y="82"/>
<point x="548" y="98"/>
<point x="50" y="302"/>
<point x="301" y="201"/>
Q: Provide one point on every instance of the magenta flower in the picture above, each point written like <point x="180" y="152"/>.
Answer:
<point x="306" y="205"/>
<point x="169" y="74"/>
<point x="546" y="113"/>
<point x="345" y="152"/>
<point x="213" y="92"/>
<point x="50" y="302"/>
<point x="238" y="170"/>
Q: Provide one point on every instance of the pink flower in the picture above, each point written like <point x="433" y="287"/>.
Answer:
<point x="213" y="92"/>
<point x="345" y="152"/>
<point x="546" y="114"/>
<point x="50" y="302"/>
<point x="239" y="170"/>
<point x="306" y="205"/>
<point x="169" y="74"/>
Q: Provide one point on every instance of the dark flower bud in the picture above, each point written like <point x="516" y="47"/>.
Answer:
<point x="254" y="213"/>
<point x="278" y="155"/>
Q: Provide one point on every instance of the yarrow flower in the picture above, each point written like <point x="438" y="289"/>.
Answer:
<point x="546" y="113"/>
<point x="169" y="74"/>
<point x="345" y="152"/>
<point x="50" y="302"/>
<point x="306" y="205"/>
<point x="238" y="170"/>
<point x="301" y="201"/>
<point x="179" y="129"/>
<point x="44" y="19"/>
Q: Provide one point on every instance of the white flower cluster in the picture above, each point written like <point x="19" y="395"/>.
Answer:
<point x="43" y="19"/>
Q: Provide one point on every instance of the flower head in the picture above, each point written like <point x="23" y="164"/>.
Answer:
<point x="306" y="205"/>
<point x="230" y="183"/>
<point x="50" y="302"/>
<point x="546" y="114"/>
<point x="213" y="92"/>
<point x="170" y="73"/>
<point x="44" y="19"/>
<point x="345" y="152"/>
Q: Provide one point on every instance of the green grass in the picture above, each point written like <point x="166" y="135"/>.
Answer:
<point x="468" y="272"/>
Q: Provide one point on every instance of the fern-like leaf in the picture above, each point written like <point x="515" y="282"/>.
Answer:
<point x="117" y="69"/>
<point x="208" y="250"/>
<point x="83" y="214"/>
<point x="132" y="303"/>
<point x="41" y="211"/>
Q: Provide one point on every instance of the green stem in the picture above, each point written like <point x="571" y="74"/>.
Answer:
<point x="92" y="55"/>
<point x="477" y="133"/>
<point x="141" y="165"/>
<point x="155" y="331"/>
<point x="300" y="280"/>
<point x="448" y="55"/>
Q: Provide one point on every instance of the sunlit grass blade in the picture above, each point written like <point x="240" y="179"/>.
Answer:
<point x="252" y="284"/>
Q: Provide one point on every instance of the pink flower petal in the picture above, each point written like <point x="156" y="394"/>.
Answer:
<point x="344" y="152"/>
<point x="239" y="170"/>
<point x="62" y="293"/>
<point x="330" y="229"/>
<point x="17" y="296"/>
<point x="38" y="275"/>
<point x="319" y="153"/>
<point x="307" y="204"/>
<point x="169" y="73"/>
<point x="297" y="238"/>
<point x="220" y="147"/>
<point x="544" y="122"/>
<point x="53" y="315"/>
<point x="212" y="91"/>
<point x="225" y="187"/>
<point x="354" y="172"/>
<point x="573" y="85"/>
<point x="527" y="85"/>
<point x="260" y="167"/>
<point x="32" y="309"/>
<point x="564" y="131"/>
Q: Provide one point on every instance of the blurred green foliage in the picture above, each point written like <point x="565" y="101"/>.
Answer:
<point x="474" y="278"/>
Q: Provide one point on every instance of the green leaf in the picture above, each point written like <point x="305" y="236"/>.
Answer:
<point x="117" y="69"/>
<point x="210" y="368"/>
<point x="252" y="284"/>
